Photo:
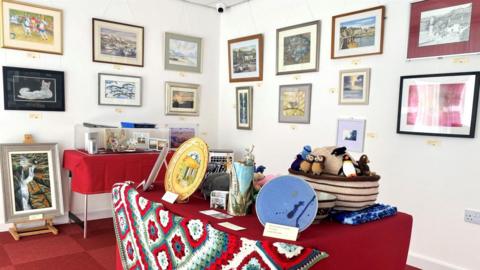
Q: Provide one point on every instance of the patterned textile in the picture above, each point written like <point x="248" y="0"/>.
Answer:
<point x="374" y="212"/>
<point x="151" y="237"/>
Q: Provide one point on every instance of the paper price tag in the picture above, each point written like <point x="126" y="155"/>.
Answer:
<point x="181" y="118"/>
<point x="118" y="110"/>
<point x="33" y="55"/>
<point x="280" y="232"/>
<point x="117" y="67"/>
<point x="35" y="116"/>
<point x="371" y="135"/>
<point x="296" y="77"/>
<point x="332" y="90"/>
<point x="293" y="127"/>
<point x="356" y="62"/>
<point x="460" y="60"/>
<point x="35" y="217"/>
<point x="170" y="197"/>
<point x="259" y="84"/>
<point x="181" y="74"/>
<point x="231" y="226"/>
<point x="434" y="143"/>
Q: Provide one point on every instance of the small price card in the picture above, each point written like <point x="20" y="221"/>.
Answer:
<point x="280" y="232"/>
<point x="170" y="197"/>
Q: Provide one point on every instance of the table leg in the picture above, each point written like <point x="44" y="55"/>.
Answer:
<point x="85" y="217"/>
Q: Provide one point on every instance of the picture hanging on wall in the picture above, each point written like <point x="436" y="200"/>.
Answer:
<point x="119" y="90"/>
<point x="351" y="134"/>
<point x="354" y="87"/>
<point x="244" y="107"/>
<point x="439" y="104"/>
<point x="444" y="27"/>
<point x="298" y="48"/>
<point x="180" y="134"/>
<point x="117" y="43"/>
<point x="358" y="33"/>
<point x="33" y="89"/>
<point x="31" y="27"/>
<point x="182" y="99"/>
<point x="294" y="103"/>
<point x="245" y="58"/>
<point x="183" y="53"/>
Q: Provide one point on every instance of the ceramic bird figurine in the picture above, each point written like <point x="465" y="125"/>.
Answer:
<point x="306" y="165"/>
<point x="296" y="163"/>
<point x="348" y="169"/>
<point x="363" y="165"/>
<point x="318" y="165"/>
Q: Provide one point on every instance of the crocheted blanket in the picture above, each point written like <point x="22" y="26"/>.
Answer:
<point x="372" y="213"/>
<point x="151" y="237"/>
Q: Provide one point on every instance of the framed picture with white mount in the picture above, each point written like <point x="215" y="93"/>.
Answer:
<point x="183" y="53"/>
<point x="351" y="134"/>
<point x="182" y="99"/>
<point x="119" y="90"/>
<point x="354" y="87"/>
<point x="245" y="58"/>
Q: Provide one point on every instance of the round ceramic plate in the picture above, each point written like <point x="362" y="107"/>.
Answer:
<point x="287" y="200"/>
<point x="187" y="168"/>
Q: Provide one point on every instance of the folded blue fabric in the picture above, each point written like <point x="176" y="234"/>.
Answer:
<point x="374" y="212"/>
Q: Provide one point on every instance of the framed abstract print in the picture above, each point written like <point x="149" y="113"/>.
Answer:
<point x="244" y="107"/>
<point x="294" y="103"/>
<point x="117" y="43"/>
<point x="351" y="134"/>
<point x="33" y="89"/>
<point x="31" y="27"/>
<point x="439" y="104"/>
<point x="183" y="53"/>
<point x="358" y="33"/>
<point x="444" y="27"/>
<point x="119" y="90"/>
<point x="182" y="99"/>
<point x="298" y="48"/>
<point x="354" y="87"/>
<point x="245" y="58"/>
<point x="32" y="184"/>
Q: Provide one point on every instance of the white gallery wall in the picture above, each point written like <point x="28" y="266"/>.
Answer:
<point x="433" y="183"/>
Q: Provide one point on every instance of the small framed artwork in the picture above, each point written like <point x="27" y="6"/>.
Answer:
<point x="179" y="135"/>
<point x="244" y="107"/>
<point x="161" y="144"/>
<point x="182" y="99"/>
<point x="183" y="53"/>
<point x="119" y="90"/>
<point x="31" y="27"/>
<point x="294" y="103"/>
<point x="32" y="185"/>
<point x="117" y="43"/>
<point x="439" y="104"/>
<point x="33" y="89"/>
<point x="245" y="58"/>
<point x="298" y="48"/>
<point x="351" y="134"/>
<point x="142" y="139"/>
<point x="153" y="144"/>
<point x="358" y="33"/>
<point x="354" y="87"/>
<point x="443" y="27"/>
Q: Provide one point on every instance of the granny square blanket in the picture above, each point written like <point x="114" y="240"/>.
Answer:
<point x="151" y="237"/>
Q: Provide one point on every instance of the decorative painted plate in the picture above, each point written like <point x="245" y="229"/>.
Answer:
<point x="287" y="200"/>
<point x="187" y="168"/>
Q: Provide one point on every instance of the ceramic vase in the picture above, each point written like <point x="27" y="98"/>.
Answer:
<point x="240" y="191"/>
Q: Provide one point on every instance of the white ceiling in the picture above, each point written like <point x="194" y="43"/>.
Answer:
<point x="212" y="3"/>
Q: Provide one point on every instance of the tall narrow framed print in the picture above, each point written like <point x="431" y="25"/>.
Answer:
<point x="439" y="104"/>
<point x="245" y="58"/>
<point x="298" y="48"/>
<point x="358" y="33"/>
<point x="31" y="27"/>
<point x="182" y="99"/>
<point x="294" y="103"/>
<point x="244" y="107"/>
<point x="183" y="53"/>
<point x="119" y="90"/>
<point x="354" y="87"/>
<point x="117" y="43"/>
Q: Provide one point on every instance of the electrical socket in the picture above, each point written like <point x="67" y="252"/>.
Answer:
<point x="472" y="216"/>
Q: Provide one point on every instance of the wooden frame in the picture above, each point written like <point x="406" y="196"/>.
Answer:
<point x="259" y="58"/>
<point x="305" y="119"/>
<point x="248" y="90"/>
<point x="120" y="102"/>
<point x="366" y="87"/>
<point x="171" y="110"/>
<point x="178" y="67"/>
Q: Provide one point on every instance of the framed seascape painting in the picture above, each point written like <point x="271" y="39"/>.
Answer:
<point x="179" y="135"/>
<point x="354" y="87"/>
<point x="244" y="107"/>
<point x="245" y="58"/>
<point x="358" y="33"/>
<point x="117" y="43"/>
<point x="439" y="104"/>
<point x="182" y="99"/>
<point x="444" y="27"/>
<point x="183" y="53"/>
<point x="31" y="27"/>
<point x="32" y="185"/>
<point x="119" y="90"/>
<point x="351" y="134"/>
<point x="298" y="48"/>
<point x="33" y="89"/>
<point x="294" y="103"/>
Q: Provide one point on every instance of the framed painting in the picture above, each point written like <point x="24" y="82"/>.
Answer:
<point x="354" y="87"/>
<point x="439" y="104"/>
<point x="142" y="140"/>
<point x="444" y="27"/>
<point x="245" y="58"/>
<point x="117" y="43"/>
<point x="32" y="27"/>
<point x="182" y="99"/>
<point x="32" y="185"/>
<point x="294" y="103"/>
<point x="298" y="48"/>
<point x="358" y="33"/>
<point x="179" y="135"/>
<point x="351" y="134"/>
<point x="183" y="53"/>
<point x="244" y="107"/>
<point x="33" y="89"/>
<point x="119" y="90"/>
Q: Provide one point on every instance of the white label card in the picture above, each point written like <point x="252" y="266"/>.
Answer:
<point x="280" y="232"/>
<point x="170" y="197"/>
<point x="35" y="217"/>
<point x="231" y="226"/>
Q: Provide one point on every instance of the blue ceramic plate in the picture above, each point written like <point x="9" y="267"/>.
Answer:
<point x="287" y="200"/>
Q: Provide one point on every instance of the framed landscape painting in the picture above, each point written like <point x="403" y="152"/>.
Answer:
<point x="182" y="99"/>
<point x="358" y="33"/>
<point x="179" y="135"/>
<point x="119" y="90"/>
<point x="354" y="87"/>
<point x="117" y="43"/>
<point x="245" y="58"/>
<point x="33" y="89"/>
<point x="351" y="134"/>
<point x="439" y="104"/>
<point x="183" y="53"/>
<point x="31" y="27"/>
<point x="444" y="27"/>
<point x="244" y="107"/>
<point x="298" y="48"/>
<point x="294" y="103"/>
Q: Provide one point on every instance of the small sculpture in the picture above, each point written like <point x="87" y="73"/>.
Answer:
<point x="363" y="166"/>
<point x="318" y="165"/>
<point x="296" y="163"/>
<point x="348" y="169"/>
<point x="249" y="158"/>
<point x="306" y="165"/>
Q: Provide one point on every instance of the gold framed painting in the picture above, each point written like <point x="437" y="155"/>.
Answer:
<point x="31" y="27"/>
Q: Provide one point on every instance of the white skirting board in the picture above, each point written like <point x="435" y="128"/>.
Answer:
<point x="427" y="263"/>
